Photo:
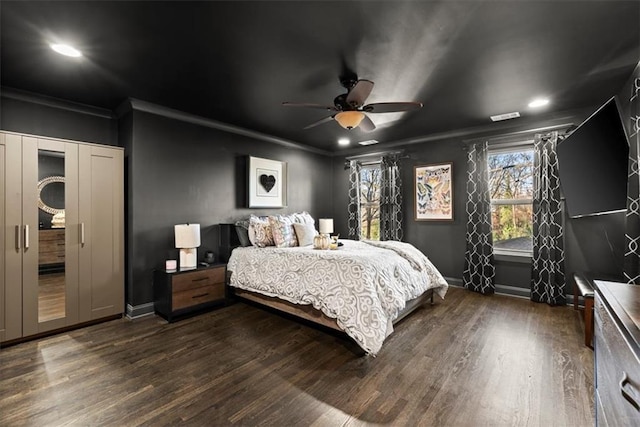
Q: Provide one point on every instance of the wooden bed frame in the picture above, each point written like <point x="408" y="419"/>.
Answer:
<point x="307" y="312"/>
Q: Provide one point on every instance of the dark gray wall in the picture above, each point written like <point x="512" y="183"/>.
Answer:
<point x="592" y="244"/>
<point x="175" y="172"/>
<point x="597" y="244"/>
<point x="181" y="172"/>
<point x="67" y="121"/>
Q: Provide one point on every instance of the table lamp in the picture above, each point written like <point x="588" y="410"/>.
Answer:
<point x="326" y="226"/>
<point x="187" y="240"/>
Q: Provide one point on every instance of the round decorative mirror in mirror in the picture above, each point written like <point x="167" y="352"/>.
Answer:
<point x="48" y="197"/>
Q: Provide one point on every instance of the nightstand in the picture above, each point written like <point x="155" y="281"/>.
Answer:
<point x="178" y="293"/>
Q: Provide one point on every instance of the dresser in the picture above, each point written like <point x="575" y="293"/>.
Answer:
<point x="178" y="293"/>
<point x="51" y="245"/>
<point x="617" y="354"/>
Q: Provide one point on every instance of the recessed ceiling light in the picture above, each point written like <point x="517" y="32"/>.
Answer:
<point x="344" y="141"/>
<point x="66" y="50"/>
<point x="539" y="102"/>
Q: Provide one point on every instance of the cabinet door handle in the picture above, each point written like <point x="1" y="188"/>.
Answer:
<point x="623" y="382"/>
<point x="200" y="295"/>
<point x="200" y="279"/>
<point x="18" y="237"/>
<point x="26" y="236"/>
<point x="82" y="233"/>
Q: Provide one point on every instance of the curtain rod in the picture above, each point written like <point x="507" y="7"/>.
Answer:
<point x="497" y="138"/>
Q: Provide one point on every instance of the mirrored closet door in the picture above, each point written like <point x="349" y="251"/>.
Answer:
<point x="49" y="238"/>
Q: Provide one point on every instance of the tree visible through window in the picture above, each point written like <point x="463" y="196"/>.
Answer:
<point x="511" y="192"/>
<point x="370" y="176"/>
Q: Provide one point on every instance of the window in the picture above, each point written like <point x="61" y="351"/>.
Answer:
<point x="511" y="192"/>
<point x="370" y="176"/>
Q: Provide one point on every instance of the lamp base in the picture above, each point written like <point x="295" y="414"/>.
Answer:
<point x="188" y="257"/>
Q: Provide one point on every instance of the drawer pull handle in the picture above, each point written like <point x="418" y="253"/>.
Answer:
<point x="200" y="295"/>
<point x="200" y="279"/>
<point x="623" y="382"/>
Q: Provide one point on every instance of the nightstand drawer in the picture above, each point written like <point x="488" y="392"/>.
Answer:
<point x="197" y="296"/>
<point x="178" y="294"/>
<point x="197" y="279"/>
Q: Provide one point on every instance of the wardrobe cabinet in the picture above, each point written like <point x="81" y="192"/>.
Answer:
<point x="62" y="213"/>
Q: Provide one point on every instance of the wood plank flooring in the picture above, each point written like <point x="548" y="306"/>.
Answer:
<point x="51" y="296"/>
<point x="470" y="360"/>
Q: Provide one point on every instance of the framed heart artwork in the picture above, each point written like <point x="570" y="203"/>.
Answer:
<point x="267" y="183"/>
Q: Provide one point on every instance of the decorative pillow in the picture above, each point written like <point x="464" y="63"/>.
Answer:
<point x="282" y="229"/>
<point x="260" y="232"/>
<point x="242" y="230"/>
<point x="305" y="233"/>
<point x="302" y="217"/>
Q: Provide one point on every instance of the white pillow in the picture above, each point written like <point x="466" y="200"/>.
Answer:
<point x="302" y="217"/>
<point x="305" y="233"/>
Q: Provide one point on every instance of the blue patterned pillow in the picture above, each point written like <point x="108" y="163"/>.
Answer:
<point x="284" y="236"/>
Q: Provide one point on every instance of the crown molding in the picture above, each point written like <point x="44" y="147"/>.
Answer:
<point x="61" y="104"/>
<point x="489" y="131"/>
<point x="149" y="107"/>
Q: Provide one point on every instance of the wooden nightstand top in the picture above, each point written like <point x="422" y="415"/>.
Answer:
<point x="192" y="269"/>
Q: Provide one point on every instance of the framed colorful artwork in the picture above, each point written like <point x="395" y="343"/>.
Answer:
<point x="433" y="192"/>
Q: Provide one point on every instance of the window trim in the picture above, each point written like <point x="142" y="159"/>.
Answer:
<point x="513" y="255"/>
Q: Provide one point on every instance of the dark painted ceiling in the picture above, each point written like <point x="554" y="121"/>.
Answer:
<point x="237" y="61"/>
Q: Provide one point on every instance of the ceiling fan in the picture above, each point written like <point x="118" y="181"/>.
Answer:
<point x="349" y="108"/>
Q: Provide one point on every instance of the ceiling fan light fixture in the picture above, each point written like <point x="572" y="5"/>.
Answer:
<point x="349" y="119"/>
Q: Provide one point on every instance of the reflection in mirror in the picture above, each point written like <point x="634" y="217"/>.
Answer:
<point x="51" y="236"/>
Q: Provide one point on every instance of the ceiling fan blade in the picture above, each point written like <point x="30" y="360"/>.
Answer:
<point x="309" y="105"/>
<point x="391" y="107"/>
<point x="359" y="93"/>
<point x="319" y="122"/>
<point x="366" y="124"/>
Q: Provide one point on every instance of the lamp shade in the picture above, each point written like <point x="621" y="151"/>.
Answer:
<point x="349" y="119"/>
<point x="326" y="225"/>
<point x="187" y="235"/>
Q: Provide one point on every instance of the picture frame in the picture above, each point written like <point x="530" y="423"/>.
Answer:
<point x="433" y="192"/>
<point x="267" y="183"/>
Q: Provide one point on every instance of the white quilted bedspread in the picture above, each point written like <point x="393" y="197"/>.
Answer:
<point x="363" y="286"/>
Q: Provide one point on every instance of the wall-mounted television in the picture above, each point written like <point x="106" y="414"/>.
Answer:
<point x="593" y="162"/>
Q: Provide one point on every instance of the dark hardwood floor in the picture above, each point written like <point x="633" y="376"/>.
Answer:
<point x="51" y="296"/>
<point x="467" y="361"/>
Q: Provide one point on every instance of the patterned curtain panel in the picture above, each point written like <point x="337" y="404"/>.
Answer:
<point x="353" y="220"/>
<point x="390" y="198"/>
<point x="547" y="269"/>
<point x="632" y="233"/>
<point x="479" y="270"/>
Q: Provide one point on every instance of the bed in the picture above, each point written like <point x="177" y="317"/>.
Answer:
<point x="361" y="288"/>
